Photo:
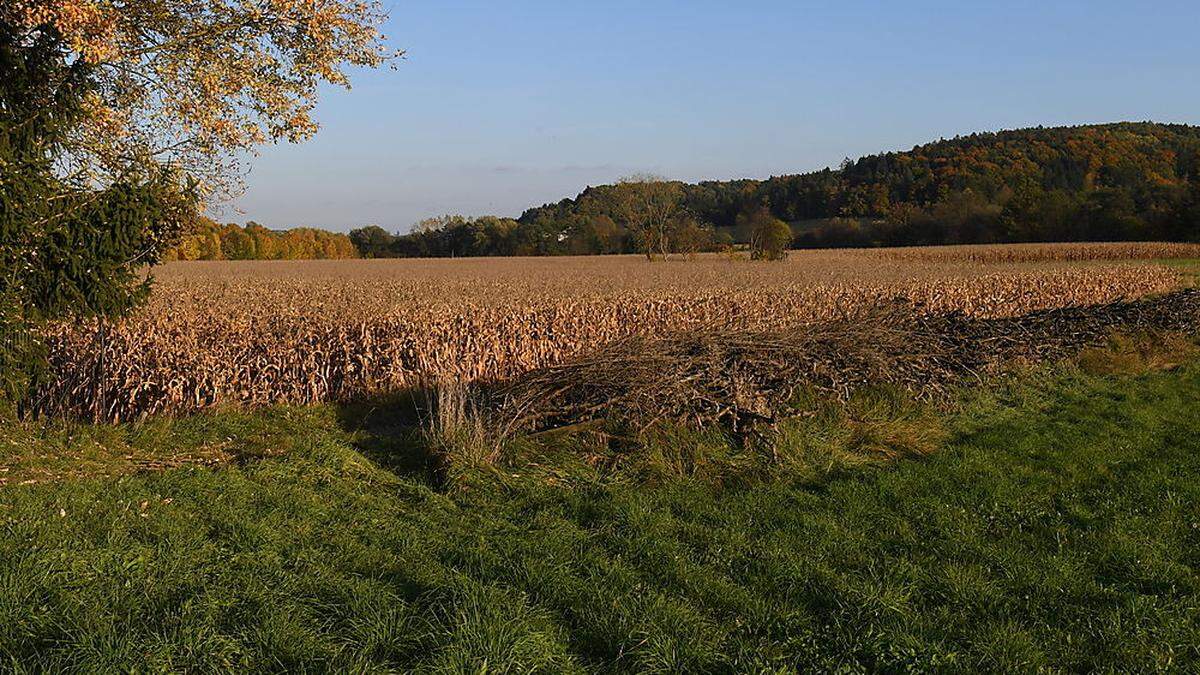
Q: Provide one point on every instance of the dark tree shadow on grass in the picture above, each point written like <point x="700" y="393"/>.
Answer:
<point x="387" y="430"/>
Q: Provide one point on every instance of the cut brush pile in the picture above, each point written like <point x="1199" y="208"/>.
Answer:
<point x="744" y="379"/>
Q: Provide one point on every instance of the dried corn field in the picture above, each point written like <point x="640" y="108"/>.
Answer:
<point x="1044" y="252"/>
<point x="252" y="333"/>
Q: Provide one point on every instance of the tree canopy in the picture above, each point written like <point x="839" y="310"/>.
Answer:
<point x="195" y="83"/>
<point x="458" y="237"/>
<point x="65" y="249"/>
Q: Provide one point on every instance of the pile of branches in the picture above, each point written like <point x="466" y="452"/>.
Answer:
<point x="743" y="380"/>
<point x="1058" y="333"/>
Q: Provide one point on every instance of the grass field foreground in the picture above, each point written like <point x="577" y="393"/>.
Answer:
<point x="1057" y="525"/>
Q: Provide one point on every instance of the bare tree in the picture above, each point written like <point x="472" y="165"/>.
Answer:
<point x="648" y="205"/>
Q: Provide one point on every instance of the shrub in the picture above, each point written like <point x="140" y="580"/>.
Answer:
<point x="769" y="236"/>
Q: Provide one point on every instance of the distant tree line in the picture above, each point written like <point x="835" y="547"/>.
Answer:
<point x="656" y="227"/>
<point x="1112" y="182"/>
<point x="209" y="240"/>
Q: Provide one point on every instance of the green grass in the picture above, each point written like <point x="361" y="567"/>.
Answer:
<point x="1188" y="268"/>
<point x="1057" y="526"/>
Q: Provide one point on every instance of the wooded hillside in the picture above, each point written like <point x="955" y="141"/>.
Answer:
<point x="1123" y="181"/>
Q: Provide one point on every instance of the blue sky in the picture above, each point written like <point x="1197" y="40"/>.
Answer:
<point x="504" y="105"/>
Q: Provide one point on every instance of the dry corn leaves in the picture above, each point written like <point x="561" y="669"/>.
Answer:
<point x="313" y="331"/>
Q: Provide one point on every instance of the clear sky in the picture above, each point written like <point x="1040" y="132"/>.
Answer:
<point x="504" y="105"/>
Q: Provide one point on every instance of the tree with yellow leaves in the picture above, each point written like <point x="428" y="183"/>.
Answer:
<point x="196" y="83"/>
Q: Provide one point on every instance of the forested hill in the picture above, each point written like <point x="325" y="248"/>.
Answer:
<point x="1099" y="182"/>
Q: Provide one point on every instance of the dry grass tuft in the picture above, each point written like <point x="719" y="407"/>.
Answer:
<point x="875" y="425"/>
<point x="889" y="437"/>
<point x="457" y="432"/>
<point x="1138" y="354"/>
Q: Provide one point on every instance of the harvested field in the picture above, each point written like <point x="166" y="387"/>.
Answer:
<point x="302" y="332"/>
<point x="1044" y="252"/>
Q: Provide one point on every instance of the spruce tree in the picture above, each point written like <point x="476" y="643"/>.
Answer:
<point x="68" y="248"/>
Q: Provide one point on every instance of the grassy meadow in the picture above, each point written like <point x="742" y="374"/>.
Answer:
<point x="1048" y="521"/>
